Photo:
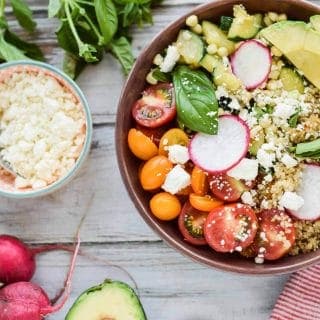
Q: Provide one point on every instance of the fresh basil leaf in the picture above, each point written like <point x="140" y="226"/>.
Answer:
<point x="65" y="38"/>
<point x="107" y="18"/>
<point x="23" y="14"/>
<point x="161" y="76"/>
<point x="197" y="105"/>
<point x="31" y="50"/>
<point x="308" y="149"/>
<point x="54" y="7"/>
<point x="9" y="52"/>
<point x="121" y="49"/>
<point x="72" y="65"/>
<point x="225" y="23"/>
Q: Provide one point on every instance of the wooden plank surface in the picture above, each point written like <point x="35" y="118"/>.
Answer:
<point x="171" y="286"/>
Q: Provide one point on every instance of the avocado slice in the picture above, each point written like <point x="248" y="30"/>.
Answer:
<point x="110" y="300"/>
<point x="300" y="44"/>
<point x="315" y="22"/>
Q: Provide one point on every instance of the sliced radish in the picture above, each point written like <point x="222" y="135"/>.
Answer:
<point x="219" y="153"/>
<point x="251" y="63"/>
<point x="309" y="191"/>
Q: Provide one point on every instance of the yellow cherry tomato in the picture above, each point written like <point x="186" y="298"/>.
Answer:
<point x="204" y="203"/>
<point x="172" y="137"/>
<point x="154" y="171"/>
<point x="141" y="145"/>
<point x="199" y="181"/>
<point x="165" y="206"/>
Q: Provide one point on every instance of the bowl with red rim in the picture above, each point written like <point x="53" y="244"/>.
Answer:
<point x="129" y="165"/>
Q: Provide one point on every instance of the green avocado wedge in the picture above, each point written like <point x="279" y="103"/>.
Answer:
<point x="110" y="300"/>
<point x="300" y="43"/>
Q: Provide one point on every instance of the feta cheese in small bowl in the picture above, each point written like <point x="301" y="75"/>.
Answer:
<point x="45" y="128"/>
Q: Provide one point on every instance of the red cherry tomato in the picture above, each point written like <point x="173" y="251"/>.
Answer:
<point x="231" y="227"/>
<point x="156" y="107"/>
<point x="154" y="134"/>
<point x="276" y="235"/>
<point x="191" y="223"/>
<point x="226" y="188"/>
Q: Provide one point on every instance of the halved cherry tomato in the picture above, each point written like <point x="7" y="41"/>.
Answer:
<point x="276" y="234"/>
<point x="191" y="222"/>
<point x="226" y="188"/>
<point x="185" y="191"/>
<point x="165" y="206"/>
<point x="141" y="145"/>
<point x="199" y="181"/>
<point x="156" y="107"/>
<point x="154" y="171"/>
<point x="204" y="203"/>
<point x="172" y="137"/>
<point x="231" y="227"/>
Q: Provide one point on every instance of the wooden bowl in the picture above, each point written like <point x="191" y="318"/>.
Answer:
<point x="168" y="231"/>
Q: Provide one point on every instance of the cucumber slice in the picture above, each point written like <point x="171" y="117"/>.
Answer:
<point x="315" y="22"/>
<point x="190" y="47"/>
<point x="225" y="23"/>
<point x="256" y="144"/>
<point x="291" y="80"/>
<point x="245" y="27"/>
<point x="222" y="76"/>
<point x="213" y="34"/>
<point x="209" y="62"/>
<point x="110" y="300"/>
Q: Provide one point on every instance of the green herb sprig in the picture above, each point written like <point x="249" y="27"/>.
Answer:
<point x="90" y="27"/>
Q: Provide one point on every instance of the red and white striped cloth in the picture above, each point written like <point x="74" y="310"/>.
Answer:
<point x="300" y="298"/>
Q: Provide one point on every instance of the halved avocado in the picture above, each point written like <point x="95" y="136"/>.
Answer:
<point x="110" y="300"/>
<point x="300" y="44"/>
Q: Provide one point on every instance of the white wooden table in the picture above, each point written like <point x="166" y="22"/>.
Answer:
<point x="171" y="286"/>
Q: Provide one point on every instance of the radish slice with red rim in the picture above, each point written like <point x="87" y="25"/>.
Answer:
<point x="251" y="63"/>
<point x="221" y="152"/>
<point x="308" y="190"/>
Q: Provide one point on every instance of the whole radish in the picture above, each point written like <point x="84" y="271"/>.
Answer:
<point x="17" y="261"/>
<point x="27" y="301"/>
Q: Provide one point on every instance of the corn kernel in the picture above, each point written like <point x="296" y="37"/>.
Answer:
<point x="197" y="29"/>
<point x="276" y="52"/>
<point x="212" y="48"/>
<point x="282" y="17"/>
<point x="192" y="21"/>
<point x="158" y="59"/>
<point x="223" y="52"/>
<point x="150" y="79"/>
<point x="267" y="21"/>
<point x="273" y="16"/>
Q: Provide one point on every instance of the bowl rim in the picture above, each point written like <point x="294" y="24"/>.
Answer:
<point x="265" y="270"/>
<point x="88" y="139"/>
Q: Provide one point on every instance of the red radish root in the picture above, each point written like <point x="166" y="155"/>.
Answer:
<point x="27" y="301"/>
<point x="17" y="260"/>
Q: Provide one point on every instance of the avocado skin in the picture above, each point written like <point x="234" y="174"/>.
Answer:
<point x="115" y="284"/>
<point x="300" y="43"/>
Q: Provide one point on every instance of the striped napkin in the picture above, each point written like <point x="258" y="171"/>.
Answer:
<point x="300" y="298"/>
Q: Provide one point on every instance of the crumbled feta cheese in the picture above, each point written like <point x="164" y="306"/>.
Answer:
<point x="178" y="154"/>
<point x="291" y="201"/>
<point x="288" y="161"/>
<point x="259" y="260"/>
<point x="42" y="127"/>
<point x="170" y="59"/>
<point x="284" y="111"/>
<point x="247" y="169"/>
<point x="266" y="158"/>
<point x="246" y="198"/>
<point x="234" y="104"/>
<point x="221" y="92"/>
<point x="176" y="180"/>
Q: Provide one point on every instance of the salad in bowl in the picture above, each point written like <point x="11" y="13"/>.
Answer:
<point x="227" y="132"/>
